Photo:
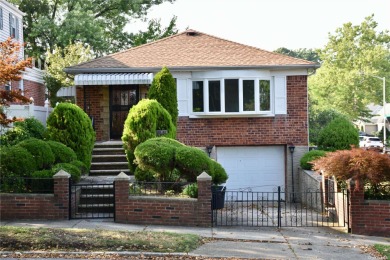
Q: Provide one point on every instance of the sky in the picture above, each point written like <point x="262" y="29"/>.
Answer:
<point x="270" y="24"/>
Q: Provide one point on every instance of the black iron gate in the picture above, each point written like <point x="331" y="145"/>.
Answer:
<point x="282" y="209"/>
<point x="92" y="200"/>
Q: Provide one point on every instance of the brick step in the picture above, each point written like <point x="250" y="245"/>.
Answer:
<point x="113" y="172"/>
<point x="108" y="165"/>
<point x="109" y="158"/>
<point x="108" y="151"/>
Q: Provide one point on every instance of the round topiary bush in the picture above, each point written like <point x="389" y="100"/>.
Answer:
<point x="79" y="164"/>
<point x="16" y="161"/>
<point x="142" y="123"/>
<point x="144" y="175"/>
<point x="339" y="134"/>
<point x="41" y="152"/>
<point x="217" y="173"/>
<point x="62" y="153"/>
<point x="310" y="156"/>
<point x="191" y="161"/>
<point x="73" y="170"/>
<point x="70" y="125"/>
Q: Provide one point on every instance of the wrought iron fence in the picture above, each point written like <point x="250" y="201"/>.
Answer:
<point x="26" y="185"/>
<point x="141" y="188"/>
<point x="281" y="209"/>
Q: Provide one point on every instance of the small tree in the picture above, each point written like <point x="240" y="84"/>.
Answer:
<point x="70" y="125"/>
<point x="339" y="134"/>
<point x="163" y="90"/>
<point x="11" y="67"/>
<point x="365" y="165"/>
<point x="142" y="123"/>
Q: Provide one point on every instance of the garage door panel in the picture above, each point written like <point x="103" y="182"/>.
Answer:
<point x="260" y="168"/>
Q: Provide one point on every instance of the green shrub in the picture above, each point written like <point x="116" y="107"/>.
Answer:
<point x="142" y="122"/>
<point x="14" y="136"/>
<point x="339" y="134"/>
<point x="191" y="162"/>
<point x="33" y="126"/>
<point x="41" y="152"/>
<point x="73" y="170"/>
<point x="172" y="160"/>
<point x="16" y="161"/>
<point x="70" y="125"/>
<point x="79" y="164"/>
<point x="217" y="173"/>
<point x="310" y="156"/>
<point x="144" y="175"/>
<point x="62" y="153"/>
<point x="163" y="89"/>
<point x="191" y="190"/>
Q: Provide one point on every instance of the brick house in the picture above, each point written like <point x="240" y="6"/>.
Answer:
<point x="246" y="103"/>
<point x="11" y="25"/>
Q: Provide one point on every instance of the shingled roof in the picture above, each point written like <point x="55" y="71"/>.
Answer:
<point x="189" y="50"/>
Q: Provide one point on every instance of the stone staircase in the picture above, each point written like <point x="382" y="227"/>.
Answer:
<point x="108" y="158"/>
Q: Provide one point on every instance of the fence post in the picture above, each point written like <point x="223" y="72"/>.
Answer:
<point x="356" y="200"/>
<point x="279" y="209"/>
<point x="121" y="186"/>
<point x="204" y="200"/>
<point x="61" y="191"/>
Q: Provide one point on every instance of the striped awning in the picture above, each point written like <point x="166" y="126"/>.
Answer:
<point x="113" y="79"/>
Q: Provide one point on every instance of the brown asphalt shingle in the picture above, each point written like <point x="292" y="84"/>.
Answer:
<point x="192" y="49"/>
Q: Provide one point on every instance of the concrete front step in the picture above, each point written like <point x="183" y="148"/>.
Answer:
<point x="109" y="158"/>
<point x="114" y="172"/>
<point x="96" y="208"/>
<point x="108" y="165"/>
<point x="109" y="144"/>
<point x="108" y="151"/>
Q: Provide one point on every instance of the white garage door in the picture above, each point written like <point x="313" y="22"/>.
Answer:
<point x="257" y="168"/>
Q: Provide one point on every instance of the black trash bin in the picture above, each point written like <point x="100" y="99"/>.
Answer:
<point x="218" y="197"/>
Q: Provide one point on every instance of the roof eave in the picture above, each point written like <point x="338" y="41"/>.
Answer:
<point x="76" y="71"/>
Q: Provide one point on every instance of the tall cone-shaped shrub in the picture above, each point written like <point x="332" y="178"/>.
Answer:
<point x="70" y="125"/>
<point x="163" y="89"/>
<point x="142" y="123"/>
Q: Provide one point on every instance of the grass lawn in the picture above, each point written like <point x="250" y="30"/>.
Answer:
<point x="21" y="238"/>
<point x="383" y="249"/>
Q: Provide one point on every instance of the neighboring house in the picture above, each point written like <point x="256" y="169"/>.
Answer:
<point x="11" y="25"/>
<point x="375" y="123"/>
<point x="249" y="104"/>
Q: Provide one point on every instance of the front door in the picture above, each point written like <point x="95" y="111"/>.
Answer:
<point x="122" y="98"/>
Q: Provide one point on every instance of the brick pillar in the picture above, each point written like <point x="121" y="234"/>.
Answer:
<point x="121" y="196"/>
<point x="204" y="200"/>
<point x="61" y="193"/>
<point x="356" y="202"/>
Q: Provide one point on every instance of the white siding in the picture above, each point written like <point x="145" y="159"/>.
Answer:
<point x="7" y="9"/>
<point x="182" y="97"/>
<point x="280" y="95"/>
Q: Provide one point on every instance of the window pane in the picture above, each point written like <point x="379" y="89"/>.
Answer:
<point x="214" y="96"/>
<point x="231" y="95"/>
<point x="249" y="95"/>
<point x="265" y="95"/>
<point x="197" y="96"/>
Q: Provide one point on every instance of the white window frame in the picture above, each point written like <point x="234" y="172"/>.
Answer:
<point x="1" y="19"/>
<point x="13" y="25"/>
<point x="241" y="112"/>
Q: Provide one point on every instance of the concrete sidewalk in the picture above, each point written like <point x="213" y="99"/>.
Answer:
<point x="250" y="242"/>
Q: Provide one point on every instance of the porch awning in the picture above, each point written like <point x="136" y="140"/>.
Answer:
<point x="113" y="79"/>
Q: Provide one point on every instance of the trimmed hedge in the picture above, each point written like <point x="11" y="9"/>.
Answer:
<point x="73" y="170"/>
<point x="79" y="164"/>
<point x="41" y="152"/>
<point x="16" y="161"/>
<point x="310" y="156"/>
<point x="70" y="125"/>
<point x="33" y="126"/>
<point x="169" y="158"/>
<point x="142" y="122"/>
<point x="62" y="153"/>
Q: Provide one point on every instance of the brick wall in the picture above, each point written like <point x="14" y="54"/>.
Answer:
<point x="368" y="217"/>
<point x="31" y="89"/>
<point x="161" y="210"/>
<point x="37" y="206"/>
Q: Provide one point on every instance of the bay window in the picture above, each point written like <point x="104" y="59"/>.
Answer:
<point x="231" y="96"/>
